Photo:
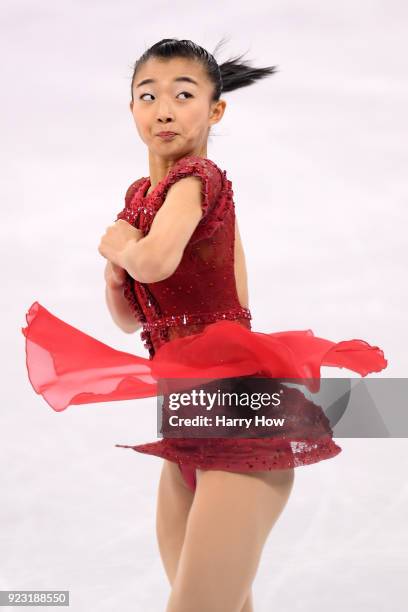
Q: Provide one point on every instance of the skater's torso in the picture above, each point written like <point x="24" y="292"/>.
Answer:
<point x="210" y="283"/>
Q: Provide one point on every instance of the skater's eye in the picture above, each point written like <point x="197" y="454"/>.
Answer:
<point x="145" y="94"/>
<point x="186" y="92"/>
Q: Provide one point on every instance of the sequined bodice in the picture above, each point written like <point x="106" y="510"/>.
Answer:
<point x="202" y="290"/>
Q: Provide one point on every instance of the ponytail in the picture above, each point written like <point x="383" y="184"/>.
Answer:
<point x="236" y="73"/>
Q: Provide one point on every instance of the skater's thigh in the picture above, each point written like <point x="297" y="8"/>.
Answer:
<point x="174" y="499"/>
<point x="257" y="497"/>
<point x="229" y="521"/>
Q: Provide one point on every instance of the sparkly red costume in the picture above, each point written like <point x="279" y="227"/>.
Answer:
<point x="193" y="327"/>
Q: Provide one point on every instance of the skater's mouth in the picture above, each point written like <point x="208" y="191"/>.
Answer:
<point x="166" y="135"/>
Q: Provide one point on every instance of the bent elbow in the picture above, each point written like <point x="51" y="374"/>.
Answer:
<point x="131" y="329"/>
<point x="152" y="270"/>
<point x="155" y="272"/>
<point x="156" y="265"/>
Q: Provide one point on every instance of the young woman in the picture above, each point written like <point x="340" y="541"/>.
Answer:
<point x="176" y="268"/>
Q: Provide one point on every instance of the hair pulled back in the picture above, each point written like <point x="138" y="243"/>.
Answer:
<point x="231" y="74"/>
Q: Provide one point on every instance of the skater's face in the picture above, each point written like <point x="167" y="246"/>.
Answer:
<point x="176" y="99"/>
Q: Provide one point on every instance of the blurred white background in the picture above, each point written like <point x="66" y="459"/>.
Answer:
<point x="317" y="156"/>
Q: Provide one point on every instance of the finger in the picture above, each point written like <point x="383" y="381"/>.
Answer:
<point x="102" y="251"/>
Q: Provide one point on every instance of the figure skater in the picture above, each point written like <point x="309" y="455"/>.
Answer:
<point x="176" y="270"/>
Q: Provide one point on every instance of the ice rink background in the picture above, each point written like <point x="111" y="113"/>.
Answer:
<point x="317" y="156"/>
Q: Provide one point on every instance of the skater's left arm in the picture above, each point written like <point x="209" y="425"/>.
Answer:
<point x="156" y="256"/>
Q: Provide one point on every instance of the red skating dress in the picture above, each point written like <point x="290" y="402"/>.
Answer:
<point x="193" y="326"/>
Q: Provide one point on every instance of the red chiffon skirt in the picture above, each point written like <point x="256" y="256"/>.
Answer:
<point x="68" y="367"/>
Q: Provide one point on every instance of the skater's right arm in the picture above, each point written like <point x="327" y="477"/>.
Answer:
<point x="116" y="301"/>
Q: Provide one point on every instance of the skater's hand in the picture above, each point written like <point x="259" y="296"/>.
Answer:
<point x="116" y="239"/>
<point x="115" y="276"/>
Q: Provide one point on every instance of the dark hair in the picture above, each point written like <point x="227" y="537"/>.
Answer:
<point x="227" y="76"/>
